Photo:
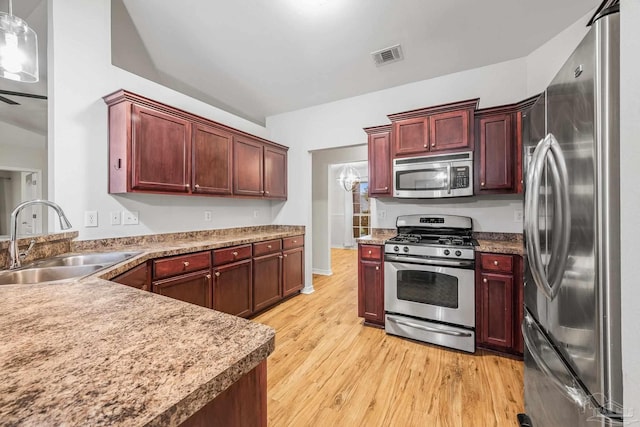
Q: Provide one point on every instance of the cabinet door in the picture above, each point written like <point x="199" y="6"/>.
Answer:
<point x="380" y="173"/>
<point x="370" y="292"/>
<point x="518" y="289"/>
<point x="292" y="271"/>
<point x="497" y="310"/>
<point x="275" y="173"/>
<point x="161" y="151"/>
<point x="496" y="146"/>
<point x="411" y="136"/>
<point x="193" y="287"/>
<point x="267" y="281"/>
<point x="450" y="131"/>
<point x="211" y="161"/>
<point x="137" y="277"/>
<point x="232" y="288"/>
<point x="248" y="160"/>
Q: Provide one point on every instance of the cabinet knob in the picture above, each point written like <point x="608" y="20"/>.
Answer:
<point x="234" y="253"/>
<point x="386" y="188"/>
<point x="197" y="185"/>
<point x="484" y="280"/>
<point x="266" y="192"/>
<point x="261" y="191"/>
<point x="495" y="262"/>
<point x="285" y="255"/>
<point x="369" y="252"/>
<point x="482" y="184"/>
<point x="377" y="267"/>
<point x="186" y="263"/>
<point x="295" y="241"/>
<point x="217" y="274"/>
<point x="268" y="246"/>
<point x="425" y="145"/>
<point x="187" y="185"/>
<point x="208" y="276"/>
<point x="280" y="257"/>
<point x="433" y="145"/>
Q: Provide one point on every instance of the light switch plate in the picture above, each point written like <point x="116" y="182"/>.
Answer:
<point x="207" y="215"/>
<point x="130" y="217"/>
<point x="116" y="218"/>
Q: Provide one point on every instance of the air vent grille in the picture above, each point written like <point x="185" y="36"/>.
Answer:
<point x="387" y="55"/>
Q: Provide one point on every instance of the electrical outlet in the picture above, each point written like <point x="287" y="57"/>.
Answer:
<point x="256" y="213"/>
<point x="518" y="215"/>
<point x="382" y="214"/>
<point x="91" y="218"/>
<point x="130" y="217"/>
<point x="207" y="215"/>
<point x="116" y="218"/>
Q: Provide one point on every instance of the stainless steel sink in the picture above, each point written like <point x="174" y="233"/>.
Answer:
<point x="104" y="258"/>
<point x="46" y="274"/>
<point x="63" y="267"/>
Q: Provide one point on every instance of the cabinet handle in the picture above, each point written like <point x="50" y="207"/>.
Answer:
<point x="217" y="274"/>
<point x="377" y="267"/>
<point x="118" y="166"/>
<point x="495" y="262"/>
<point x="234" y="253"/>
<point x="186" y="263"/>
<point x="484" y="280"/>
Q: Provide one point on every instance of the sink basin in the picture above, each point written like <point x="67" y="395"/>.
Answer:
<point x="104" y="258"/>
<point x="46" y="274"/>
<point x="63" y="267"/>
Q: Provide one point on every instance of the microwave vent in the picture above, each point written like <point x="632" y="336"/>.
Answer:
<point x="387" y="55"/>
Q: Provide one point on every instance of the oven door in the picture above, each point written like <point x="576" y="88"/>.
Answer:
<point x="443" y="294"/>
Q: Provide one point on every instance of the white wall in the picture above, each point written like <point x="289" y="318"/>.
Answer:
<point x="82" y="75"/>
<point x="20" y="148"/>
<point x="630" y="202"/>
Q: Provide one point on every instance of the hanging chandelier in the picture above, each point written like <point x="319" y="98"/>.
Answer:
<point x="18" y="49"/>
<point x="349" y="178"/>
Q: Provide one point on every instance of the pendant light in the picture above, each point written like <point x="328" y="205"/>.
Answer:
<point x="18" y="49"/>
<point x="349" y="178"/>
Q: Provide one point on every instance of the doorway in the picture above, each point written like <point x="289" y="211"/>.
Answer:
<point x="17" y="186"/>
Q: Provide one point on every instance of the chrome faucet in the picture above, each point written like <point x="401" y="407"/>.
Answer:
<point x="14" y="251"/>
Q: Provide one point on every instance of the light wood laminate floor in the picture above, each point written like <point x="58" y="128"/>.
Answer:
<point x="330" y="370"/>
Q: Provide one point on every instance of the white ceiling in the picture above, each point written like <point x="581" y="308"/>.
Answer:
<point x="258" y="58"/>
<point x="31" y="114"/>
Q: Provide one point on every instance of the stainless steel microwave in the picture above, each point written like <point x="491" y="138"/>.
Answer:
<point x="443" y="175"/>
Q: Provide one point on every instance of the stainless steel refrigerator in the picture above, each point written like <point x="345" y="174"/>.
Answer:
<point x="573" y="374"/>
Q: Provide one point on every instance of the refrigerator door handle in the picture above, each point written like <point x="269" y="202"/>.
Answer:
<point x="573" y="391"/>
<point x="548" y="149"/>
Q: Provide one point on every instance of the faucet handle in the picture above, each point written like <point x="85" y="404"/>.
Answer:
<point x="24" y="254"/>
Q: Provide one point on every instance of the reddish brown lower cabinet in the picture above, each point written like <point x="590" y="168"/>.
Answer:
<point x="193" y="287"/>
<point x="138" y="277"/>
<point x="232" y="288"/>
<point x="292" y="271"/>
<point x="371" y="284"/>
<point x="267" y="281"/>
<point x="499" y="302"/>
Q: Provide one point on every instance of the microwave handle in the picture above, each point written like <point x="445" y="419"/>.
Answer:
<point x="449" y="178"/>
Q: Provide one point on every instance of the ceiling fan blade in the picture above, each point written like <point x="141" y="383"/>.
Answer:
<point x="23" y="94"/>
<point x="8" y="101"/>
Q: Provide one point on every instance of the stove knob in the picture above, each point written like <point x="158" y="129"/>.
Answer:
<point x="447" y="251"/>
<point x="406" y="249"/>
<point x="395" y="248"/>
<point x="458" y="253"/>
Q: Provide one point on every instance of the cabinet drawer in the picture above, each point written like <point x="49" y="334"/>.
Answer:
<point x="167" y="267"/>
<point x="232" y="254"/>
<point x="495" y="262"/>
<point x="371" y="252"/>
<point x="292" y="242"/>
<point x="268" y="247"/>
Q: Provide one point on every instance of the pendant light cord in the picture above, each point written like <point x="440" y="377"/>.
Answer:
<point x="10" y="7"/>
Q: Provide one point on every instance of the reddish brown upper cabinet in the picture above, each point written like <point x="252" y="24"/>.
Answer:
<point x="442" y="128"/>
<point x="495" y="152"/>
<point x="155" y="148"/>
<point x="259" y="169"/>
<point x="371" y="284"/>
<point x="380" y="160"/>
<point x="211" y="160"/>
<point x="522" y="134"/>
<point x="499" y="308"/>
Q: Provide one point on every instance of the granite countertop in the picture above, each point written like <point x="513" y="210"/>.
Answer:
<point x="95" y="352"/>
<point x="503" y="243"/>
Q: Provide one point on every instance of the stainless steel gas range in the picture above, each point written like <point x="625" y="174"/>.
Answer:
<point x="429" y="281"/>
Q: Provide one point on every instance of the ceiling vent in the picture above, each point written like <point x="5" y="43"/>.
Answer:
<point x="387" y="55"/>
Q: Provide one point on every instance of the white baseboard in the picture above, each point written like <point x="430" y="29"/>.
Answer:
<point x="322" y="272"/>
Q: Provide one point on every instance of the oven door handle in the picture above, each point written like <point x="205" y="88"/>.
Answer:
<point x="428" y="329"/>
<point x="426" y="261"/>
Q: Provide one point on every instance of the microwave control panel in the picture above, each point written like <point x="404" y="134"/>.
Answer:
<point x="460" y="177"/>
